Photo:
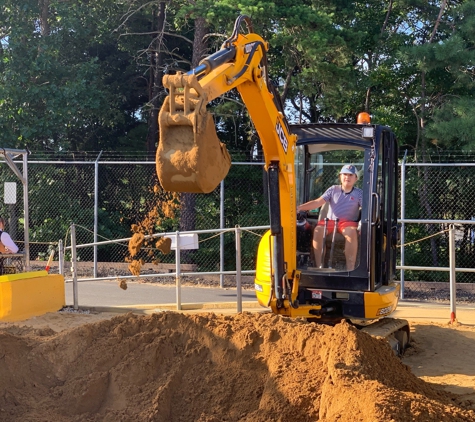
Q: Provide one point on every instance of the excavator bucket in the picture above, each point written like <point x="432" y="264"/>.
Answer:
<point x="190" y="157"/>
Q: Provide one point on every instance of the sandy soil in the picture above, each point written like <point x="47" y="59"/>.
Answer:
<point x="444" y="355"/>
<point x="247" y="367"/>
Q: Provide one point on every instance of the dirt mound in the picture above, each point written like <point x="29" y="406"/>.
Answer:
<point x="209" y="368"/>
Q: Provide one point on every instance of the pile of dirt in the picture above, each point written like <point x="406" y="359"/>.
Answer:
<point x="209" y="368"/>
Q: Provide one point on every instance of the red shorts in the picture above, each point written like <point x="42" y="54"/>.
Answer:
<point x="342" y="224"/>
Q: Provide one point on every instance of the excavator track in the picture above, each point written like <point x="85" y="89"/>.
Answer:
<point x="395" y="331"/>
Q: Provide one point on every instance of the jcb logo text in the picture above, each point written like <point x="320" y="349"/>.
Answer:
<point x="248" y="47"/>
<point x="282" y="138"/>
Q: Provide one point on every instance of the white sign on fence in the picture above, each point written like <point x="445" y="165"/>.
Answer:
<point x="9" y="193"/>
<point x="187" y="241"/>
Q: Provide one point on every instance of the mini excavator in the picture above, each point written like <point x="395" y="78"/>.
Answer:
<point x="301" y="161"/>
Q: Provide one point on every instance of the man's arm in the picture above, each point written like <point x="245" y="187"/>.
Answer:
<point x="311" y="205"/>
<point x="8" y="243"/>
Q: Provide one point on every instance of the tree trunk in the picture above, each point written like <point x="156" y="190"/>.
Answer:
<point x="188" y="200"/>
<point x="43" y="5"/>
<point x="367" y="100"/>
<point x="199" y="45"/>
<point x="155" y="81"/>
<point x="423" y="191"/>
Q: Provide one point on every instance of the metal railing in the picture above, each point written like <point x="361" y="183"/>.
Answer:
<point x="177" y="274"/>
<point x="238" y="272"/>
<point x="452" y="255"/>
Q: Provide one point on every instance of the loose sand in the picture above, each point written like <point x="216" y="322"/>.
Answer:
<point x="246" y="367"/>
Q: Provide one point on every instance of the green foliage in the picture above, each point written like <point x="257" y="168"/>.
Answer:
<point x="453" y="124"/>
<point x="80" y="79"/>
<point x="64" y="83"/>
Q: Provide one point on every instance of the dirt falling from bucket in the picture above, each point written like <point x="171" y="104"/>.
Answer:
<point x="135" y="243"/>
<point x="164" y="245"/>
<point x="135" y="266"/>
<point x="142" y="248"/>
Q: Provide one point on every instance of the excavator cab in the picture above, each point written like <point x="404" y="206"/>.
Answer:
<point x="331" y="291"/>
<point x="321" y="152"/>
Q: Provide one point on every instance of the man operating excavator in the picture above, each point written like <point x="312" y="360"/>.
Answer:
<point x="345" y="201"/>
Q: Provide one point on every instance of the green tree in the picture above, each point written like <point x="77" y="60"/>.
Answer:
<point x="451" y="122"/>
<point x="64" y="82"/>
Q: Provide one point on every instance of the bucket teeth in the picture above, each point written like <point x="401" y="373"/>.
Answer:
<point x="190" y="157"/>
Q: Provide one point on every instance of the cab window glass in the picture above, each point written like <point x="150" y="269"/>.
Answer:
<point x="322" y="170"/>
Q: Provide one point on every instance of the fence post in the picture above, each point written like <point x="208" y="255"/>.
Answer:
<point x="178" y="272"/>
<point x="73" y="266"/>
<point x="221" y="235"/>
<point x="238" y="269"/>
<point x="26" y="215"/>
<point x="452" y="272"/>
<point x="403" y="216"/>
<point x="96" y="207"/>
<point x="60" y="257"/>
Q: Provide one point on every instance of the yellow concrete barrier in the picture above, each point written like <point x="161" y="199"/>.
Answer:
<point x="25" y="295"/>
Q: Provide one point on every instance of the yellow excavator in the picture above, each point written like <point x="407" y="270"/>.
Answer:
<point x="301" y="162"/>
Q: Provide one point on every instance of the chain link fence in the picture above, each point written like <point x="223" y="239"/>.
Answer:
<point x="109" y="200"/>
<point x="434" y="196"/>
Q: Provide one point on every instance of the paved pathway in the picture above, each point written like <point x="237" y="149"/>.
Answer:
<point x="108" y="293"/>
<point x="148" y="298"/>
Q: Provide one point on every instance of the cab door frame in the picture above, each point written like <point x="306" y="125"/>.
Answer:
<point x="384" y="225"/>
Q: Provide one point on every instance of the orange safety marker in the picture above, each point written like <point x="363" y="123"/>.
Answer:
<point x="51" y="255"/>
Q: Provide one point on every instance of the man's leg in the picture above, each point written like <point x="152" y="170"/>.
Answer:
<point x="318" y="245"/>
<point x="319" y="233"/>
<point x="351" y="246"/>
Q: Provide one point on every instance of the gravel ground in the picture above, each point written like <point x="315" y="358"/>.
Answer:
<point x="439" y="295"/>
